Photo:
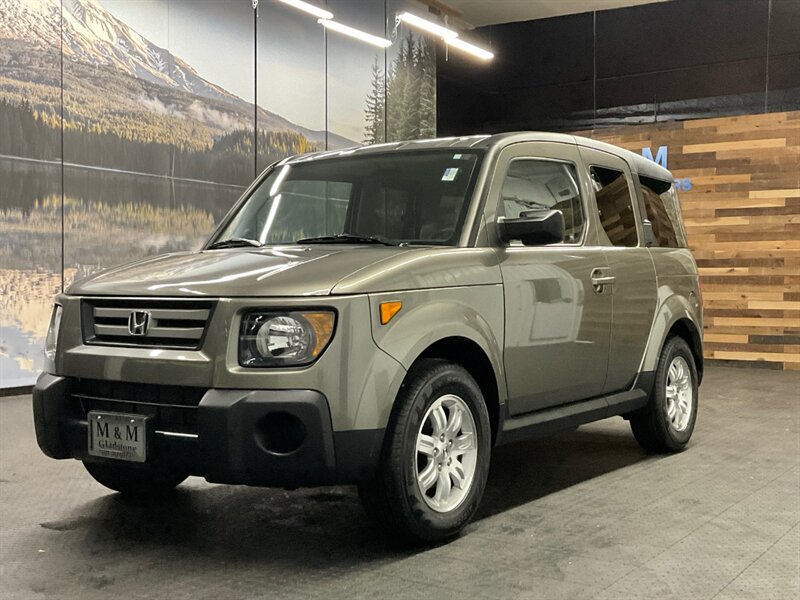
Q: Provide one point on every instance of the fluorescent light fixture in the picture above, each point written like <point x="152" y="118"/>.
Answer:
<point x="355" y="33"/>
<point x="318" y="12"/>
<point x="434" y="28"/>
<point x="469" y="48"/>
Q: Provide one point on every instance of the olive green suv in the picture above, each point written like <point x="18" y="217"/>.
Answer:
<point x="384" y="316"/>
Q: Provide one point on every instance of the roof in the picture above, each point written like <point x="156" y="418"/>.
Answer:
<point x="637" y="162"/>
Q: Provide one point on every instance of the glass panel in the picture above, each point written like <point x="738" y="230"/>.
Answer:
<point x="613" y="195"/>
<point x="354" y="75"/>
<point x="291" y="83"/>
<point x="30" y="184"/>
<point x="155" y="163"/>
<point x="211" y="44"/>
<point x="539" y="185"/>
<point x="409" y="197"/>
<point x="410" y="78"/>
<point x="661" y="205"/>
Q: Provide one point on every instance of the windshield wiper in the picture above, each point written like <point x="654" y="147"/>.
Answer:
<point x="235" y="242"/>
<point x="345" y="238"/>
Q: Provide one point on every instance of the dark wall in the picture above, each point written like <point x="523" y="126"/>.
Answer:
<point x="671" y="60"/>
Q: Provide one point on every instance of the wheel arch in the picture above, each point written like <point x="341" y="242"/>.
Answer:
<point x="675" y="317"/>
<point x="469" y="354"/>
<point x="464" y="325"/>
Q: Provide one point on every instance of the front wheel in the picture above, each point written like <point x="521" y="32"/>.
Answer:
<point x="666" y="423"/>
<point x="436" y="455"/>
<point x="135" y="481"/>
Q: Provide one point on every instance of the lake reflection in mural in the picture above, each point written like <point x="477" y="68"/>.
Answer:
<point x="109" y="218"/>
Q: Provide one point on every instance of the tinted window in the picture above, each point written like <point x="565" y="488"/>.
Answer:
<point x="615" y="205"/>
<point x="302" y="209"/>
<point x="663" y="212"/>
<point x="401" y="197"/>
<point x="533" y="185"/>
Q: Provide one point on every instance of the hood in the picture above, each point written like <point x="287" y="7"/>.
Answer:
<point x="273" y="271"/>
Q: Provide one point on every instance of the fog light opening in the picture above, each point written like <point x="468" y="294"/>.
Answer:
<point x="281" y="433"/>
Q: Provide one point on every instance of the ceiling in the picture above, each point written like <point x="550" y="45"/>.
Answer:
<point x="492" y="12"/>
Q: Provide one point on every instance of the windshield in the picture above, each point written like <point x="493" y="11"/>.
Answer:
<point x="414" y="197"/>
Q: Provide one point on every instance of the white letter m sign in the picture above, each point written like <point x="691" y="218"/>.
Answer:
<point x="661" y="155"/>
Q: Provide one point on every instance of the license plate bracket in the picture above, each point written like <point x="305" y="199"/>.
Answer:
<point x="118" y="436"/>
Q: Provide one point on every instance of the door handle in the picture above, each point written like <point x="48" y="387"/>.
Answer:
<point x="600" y="279"/>
<point x="603" y="280"/>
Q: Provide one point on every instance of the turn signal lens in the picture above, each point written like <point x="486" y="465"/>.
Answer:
<point x="389" y="310"/>
<point x="51" y="340"/>
<point x="322" y="325"/>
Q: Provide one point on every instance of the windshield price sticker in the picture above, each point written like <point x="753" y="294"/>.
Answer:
<point x="450" y="174"/>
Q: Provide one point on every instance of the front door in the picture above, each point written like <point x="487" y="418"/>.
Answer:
<point x="557" y="326"/>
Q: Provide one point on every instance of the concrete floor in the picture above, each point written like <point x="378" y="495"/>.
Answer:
<point x="582" y="515"/>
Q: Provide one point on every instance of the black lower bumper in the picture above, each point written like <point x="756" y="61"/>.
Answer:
<point x="251" y="437"/>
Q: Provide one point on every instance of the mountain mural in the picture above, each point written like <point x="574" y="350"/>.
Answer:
<point x="93" y="36"/>
<point x="119" y="83"/>
<point x="157" y="143"/>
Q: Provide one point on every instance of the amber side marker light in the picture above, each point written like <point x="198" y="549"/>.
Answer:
<point x="389" y="310"/>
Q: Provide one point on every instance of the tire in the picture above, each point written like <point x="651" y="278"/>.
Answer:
<point x="138" y="481"/>
<point x="434" y="393"/>
<point x="666" y="423"/>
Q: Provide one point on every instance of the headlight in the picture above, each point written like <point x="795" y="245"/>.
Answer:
<point x="51" y="340"/>
<point x="282" y="339"/>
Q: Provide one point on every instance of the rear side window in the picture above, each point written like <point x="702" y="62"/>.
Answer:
<point x="614" y="201"/>
<point x="533" y="185"/>
<point x="663" y="212"/>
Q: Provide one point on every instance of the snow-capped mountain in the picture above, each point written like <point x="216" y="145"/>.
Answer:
<point x="93" y="36"/>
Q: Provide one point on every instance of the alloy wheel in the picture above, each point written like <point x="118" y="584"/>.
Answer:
<point x="446" y="453"/>
<point x="679" y="394"/>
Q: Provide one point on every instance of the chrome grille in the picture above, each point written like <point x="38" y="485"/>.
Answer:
<point x="152" y="323"/>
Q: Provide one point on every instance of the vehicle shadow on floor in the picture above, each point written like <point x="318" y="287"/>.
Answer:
<point x="326" y="527"/>
<point x="524" y="472"/>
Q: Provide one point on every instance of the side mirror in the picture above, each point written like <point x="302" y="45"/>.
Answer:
<point x="533" y="228"/>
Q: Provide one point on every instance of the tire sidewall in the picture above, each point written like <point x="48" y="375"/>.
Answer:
<point x="430" y="524"/>
<point x="675" y="347"/>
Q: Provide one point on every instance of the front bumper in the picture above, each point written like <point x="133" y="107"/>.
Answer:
<point x="231" y="437"/>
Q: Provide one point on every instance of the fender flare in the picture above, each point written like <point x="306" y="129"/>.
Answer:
<point x="675" y="310"/>
<point x="453" y="319"/>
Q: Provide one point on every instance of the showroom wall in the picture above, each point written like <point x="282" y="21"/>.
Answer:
<point x="709" y="88"/>
<point x="675" y="60"/>
<point x="170" y="108"/>
<point x="739" y="181"/>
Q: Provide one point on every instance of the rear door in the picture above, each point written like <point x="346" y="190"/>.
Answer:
<point x="630" y="278"/>
<point x="557" y="327"/>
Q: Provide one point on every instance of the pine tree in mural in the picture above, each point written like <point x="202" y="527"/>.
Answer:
<point x="405" y="106"/>
<point x="375" y="131"/>
<point x="426" y="111"/>
<point x="400" y="93"/>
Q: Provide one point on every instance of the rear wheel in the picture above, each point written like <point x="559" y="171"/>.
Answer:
<point x="436" y="455"/>
<point x="140" y="481"/>
<point x="666" y="423"/>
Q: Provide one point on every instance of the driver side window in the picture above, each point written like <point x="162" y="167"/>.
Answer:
<point x="533" y="185"/>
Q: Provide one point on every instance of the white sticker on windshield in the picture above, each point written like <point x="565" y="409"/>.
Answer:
<point x="456" y="156"/>
<point x="450" y="173"/>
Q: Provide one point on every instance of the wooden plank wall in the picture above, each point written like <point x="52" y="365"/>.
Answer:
<point x="742" y="218"/>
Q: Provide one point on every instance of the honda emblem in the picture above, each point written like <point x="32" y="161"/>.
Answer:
<point x="139" y="322"/>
